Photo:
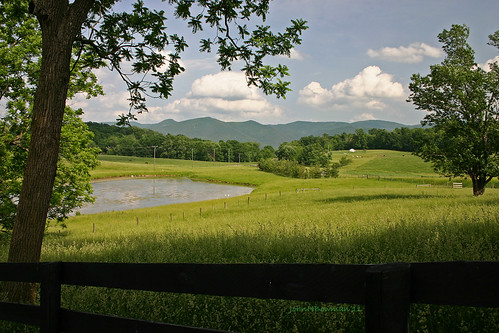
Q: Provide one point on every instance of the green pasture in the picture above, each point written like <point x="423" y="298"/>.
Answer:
<point x="123" y="166"/>
<point x="372" y="162"/>
<point x="385" y="163"/>
<point x="346" y="220"/>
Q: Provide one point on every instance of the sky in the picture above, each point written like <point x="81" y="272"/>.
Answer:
<point x="354" y="63"/>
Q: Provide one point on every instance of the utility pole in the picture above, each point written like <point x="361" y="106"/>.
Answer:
<point x="228" y="157"/>
<point x="155" y="157"/>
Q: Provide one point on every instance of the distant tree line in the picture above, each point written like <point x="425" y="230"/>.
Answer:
<point x="313" y="150"/>
<point x="307" y="151"/>
<point x="310" y="156"/>
<point x="135" y="141"/>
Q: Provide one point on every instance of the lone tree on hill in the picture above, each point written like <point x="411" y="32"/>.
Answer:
<point x="462" y="100"/>
<point x="91" y="34"/>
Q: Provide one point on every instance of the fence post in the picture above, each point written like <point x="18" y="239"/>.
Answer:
<point x="388" y="296"/>
<point x="50" y="297"/>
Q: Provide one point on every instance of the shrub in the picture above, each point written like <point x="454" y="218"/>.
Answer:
<point x="345" y="161"/>
<point x="295" y="170"/>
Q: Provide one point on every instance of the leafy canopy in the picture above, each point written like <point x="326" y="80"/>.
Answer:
<point x="20" y="55"/>
<point x="462" y="101"/>
<point x="135" y="44"/>
<point x="72" y="188"/>
<point x="140" y="39"/>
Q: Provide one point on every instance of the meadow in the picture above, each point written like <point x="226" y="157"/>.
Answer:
<point x="350" y="219"/>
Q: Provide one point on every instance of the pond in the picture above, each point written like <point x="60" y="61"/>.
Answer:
<point x="123" y="194"/>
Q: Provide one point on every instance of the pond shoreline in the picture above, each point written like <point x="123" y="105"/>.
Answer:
<point x="123" y="193"/>
<point x="204" y="180"/>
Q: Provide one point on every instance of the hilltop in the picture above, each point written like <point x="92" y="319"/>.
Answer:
<point x="251" y="131"/>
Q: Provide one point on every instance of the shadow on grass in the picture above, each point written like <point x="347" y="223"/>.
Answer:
<point x="406" y="241"/>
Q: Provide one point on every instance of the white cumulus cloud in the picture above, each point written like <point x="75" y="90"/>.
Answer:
<point x="486" y="65"/>
<point x="225" y="85"/>
<point x="294" y="55"/>
<point x="370" y="82"/>
<point x="414" y="53"/>
<point x="375" y="105"/>
<point x="108" y="107"/>
<point x="224" y="96"/>
<point x="314" y="94"/>
<point x="364" y="116"/>
<point x="371" y="94"/>
<point x="368" y="86"/>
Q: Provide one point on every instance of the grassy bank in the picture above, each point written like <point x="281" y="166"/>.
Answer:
<point x="373" y="162"/>
<point x="349" y="220"/>
<point x="385" y="163"/>
<point x="122" y="166"/>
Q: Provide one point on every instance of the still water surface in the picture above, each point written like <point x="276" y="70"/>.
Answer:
<point x="115" y="195"/>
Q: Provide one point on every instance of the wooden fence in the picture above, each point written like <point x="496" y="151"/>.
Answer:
<point x="386" y="290"/>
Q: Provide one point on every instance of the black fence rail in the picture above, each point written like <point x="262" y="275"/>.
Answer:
<point x="386" y="290"/>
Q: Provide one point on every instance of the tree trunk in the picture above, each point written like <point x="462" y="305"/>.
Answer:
<point x="479" y="183"/>
<point x="60" y="22"/>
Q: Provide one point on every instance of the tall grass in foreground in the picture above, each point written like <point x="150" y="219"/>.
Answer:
<point x="347" y="221"/>
<point x="350" y="220"/>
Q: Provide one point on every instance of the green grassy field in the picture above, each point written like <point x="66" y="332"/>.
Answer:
<point x="386" y="163"/>
<point x="120" y="166"/>
<point x="373" y="162"/>
<point x="349" y="220"/>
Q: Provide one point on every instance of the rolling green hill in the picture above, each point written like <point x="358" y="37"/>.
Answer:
<point x="385" y="163"/>
<point x="252" y="131"/>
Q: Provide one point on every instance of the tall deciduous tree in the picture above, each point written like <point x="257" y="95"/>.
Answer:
<point x="106" y="38"/>
<point x="462" y="100"/>
<point x="72" y="186"/>
<point x="20" y="51"/>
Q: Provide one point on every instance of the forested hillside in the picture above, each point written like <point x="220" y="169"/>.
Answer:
<point x="251" y="131"/>
<point x="134" y="141"/>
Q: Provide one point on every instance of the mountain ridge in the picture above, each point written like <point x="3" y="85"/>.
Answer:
<point x="251" y="131"/>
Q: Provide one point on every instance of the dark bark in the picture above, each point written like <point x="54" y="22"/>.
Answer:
<point x="479" y="183"/>
<point x="60" y="22"/>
